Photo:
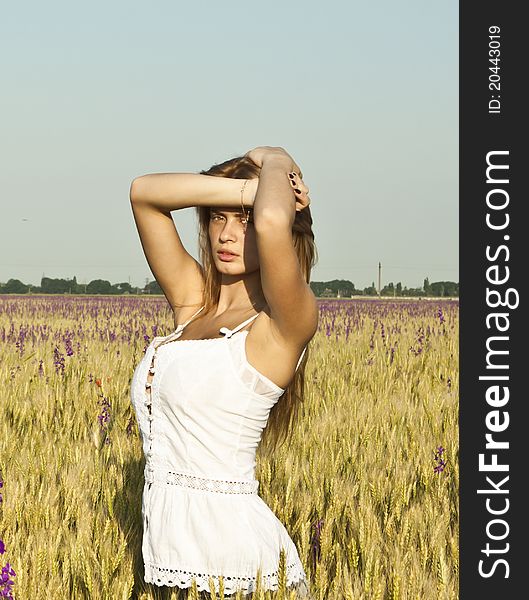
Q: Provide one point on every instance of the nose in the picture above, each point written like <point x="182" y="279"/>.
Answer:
<point x="228" y="232"/>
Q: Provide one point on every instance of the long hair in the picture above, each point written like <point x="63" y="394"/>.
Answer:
<point x="285" y="411"/>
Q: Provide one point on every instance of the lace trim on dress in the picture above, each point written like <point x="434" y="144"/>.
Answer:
<point x="207" y="484"/>
<point x="184" y="579"/>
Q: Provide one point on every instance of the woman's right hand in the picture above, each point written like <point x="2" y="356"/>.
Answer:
<point x="262" y="153"/>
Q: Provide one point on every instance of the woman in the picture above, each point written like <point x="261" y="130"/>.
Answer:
<point x="203" y="405"/>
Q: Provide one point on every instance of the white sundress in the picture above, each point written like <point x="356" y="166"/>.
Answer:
<point x="201" y="419"/>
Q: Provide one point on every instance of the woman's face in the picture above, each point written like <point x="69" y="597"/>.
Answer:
<point x="227" y="233"/>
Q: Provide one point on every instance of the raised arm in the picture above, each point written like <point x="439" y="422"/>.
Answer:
<point x="172" y="191"/>
<point x="293" y="306"/>
<point x="152" y="198"/>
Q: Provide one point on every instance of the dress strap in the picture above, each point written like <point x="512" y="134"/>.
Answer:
<point x="178" y="331"/>
<point x="230" y="332"/>
<point x="301" y="357"/>
<point x="180" y="327"/>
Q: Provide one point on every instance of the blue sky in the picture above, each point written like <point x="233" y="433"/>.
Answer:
<point x="364" y="95"/>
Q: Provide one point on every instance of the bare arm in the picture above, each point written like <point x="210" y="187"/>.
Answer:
<point x="172" y="191"/>
<point x="293" y="306"/>
<point x="152" y="198"/>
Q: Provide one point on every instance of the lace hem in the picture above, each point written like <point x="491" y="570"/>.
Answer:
<point x="183" y="579"/>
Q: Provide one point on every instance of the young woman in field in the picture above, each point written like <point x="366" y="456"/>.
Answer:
<point x="204" y="401"/>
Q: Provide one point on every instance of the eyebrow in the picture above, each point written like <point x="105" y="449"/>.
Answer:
<point x="223" y="213"/>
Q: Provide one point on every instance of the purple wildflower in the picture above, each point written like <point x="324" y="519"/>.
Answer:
<point x="104" y="417"/>
<point x="420" y="340"/>
<point x="440" y="315"/>
<point x="20" y="344"/>
<point x="441" y="464"/>
<point x="58" y="360"/>
<point x="6" y="583"/>
<point x="315" y="542"/>
<point x="372" y="340"/>
<point x="130" y="426"/>
<point x="440" y="467"/>
<point x="68" y="346"/>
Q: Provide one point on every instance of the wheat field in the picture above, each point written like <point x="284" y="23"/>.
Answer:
<point x="367" y="487"/>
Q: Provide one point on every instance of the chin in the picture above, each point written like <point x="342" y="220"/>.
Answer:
<point x="230" y="269"/>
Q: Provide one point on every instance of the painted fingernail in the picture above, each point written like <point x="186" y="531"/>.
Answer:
<point x="298" y="191"/>
<point x="291" y="175"/>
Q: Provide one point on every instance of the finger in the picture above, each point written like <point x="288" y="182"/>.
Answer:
<point x="300" y="206"/>
<point x="297" y="182"/>
<point x="296" y="186"/>
<point x="300" y="188"/>
<point x="302" y="203"/>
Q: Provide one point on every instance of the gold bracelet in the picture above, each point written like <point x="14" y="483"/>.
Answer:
<point x="242" y="204"/>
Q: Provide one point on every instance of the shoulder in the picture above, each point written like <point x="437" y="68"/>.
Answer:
<point x="267" y="332"/>
<point x="270" y="353"/>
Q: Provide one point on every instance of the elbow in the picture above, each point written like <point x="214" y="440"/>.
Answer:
<point x="135" y="190"/>
<point x="271" y="222"/>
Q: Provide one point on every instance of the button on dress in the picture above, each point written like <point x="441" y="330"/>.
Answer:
<point x="201" y="418"/>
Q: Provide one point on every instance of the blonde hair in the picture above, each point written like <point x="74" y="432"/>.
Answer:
<point x="284" y="413"/>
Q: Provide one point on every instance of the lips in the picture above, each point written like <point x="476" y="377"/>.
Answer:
<point x="226" y="252"/>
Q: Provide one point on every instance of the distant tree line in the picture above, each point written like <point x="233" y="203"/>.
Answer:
<point x="70" y="286"/>
<point x="342" y="288"/>
<point x="337" y="288"/>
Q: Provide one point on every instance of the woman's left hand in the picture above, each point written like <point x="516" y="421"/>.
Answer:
<point x="301" y="191"/>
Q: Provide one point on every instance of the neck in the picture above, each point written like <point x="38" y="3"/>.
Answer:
<point x="241" y="293"/>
